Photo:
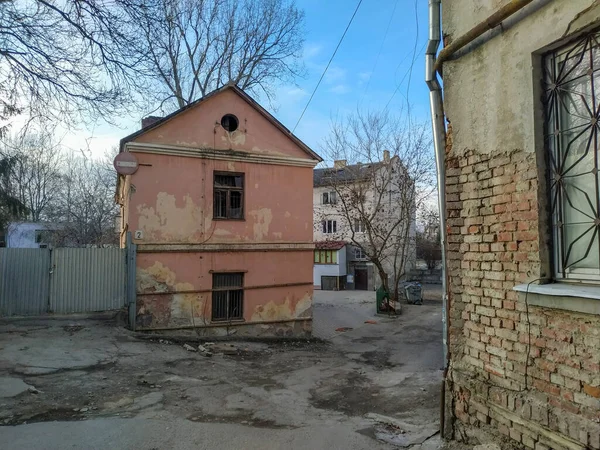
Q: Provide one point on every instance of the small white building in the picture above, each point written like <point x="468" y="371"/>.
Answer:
<point x="31" y="234"/>
<point x="330" y="268"/>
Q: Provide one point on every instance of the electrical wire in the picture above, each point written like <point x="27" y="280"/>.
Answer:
<point x="412" y="64"/>
<point x="328" y="64"/>
<point x="380" y="50"/>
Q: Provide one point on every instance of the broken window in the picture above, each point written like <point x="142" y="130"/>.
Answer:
<point x="571" y="75"/>
<point x="329" y="226"/>
<point x="228" y="196"/>
<point x="228" y="296"/>
<point x="325" y="256"/>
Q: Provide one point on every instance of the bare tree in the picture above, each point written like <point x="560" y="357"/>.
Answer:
<point x="65" y="60"/>
<point x="428" y="237"/>
<point x="192" y="47"/>
<point x="11" y="208"/>
<point x="384" y="172"/>
<point x="35" y="170"/>
<point x="86" y="203"/>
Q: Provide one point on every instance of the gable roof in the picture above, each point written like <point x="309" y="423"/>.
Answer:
<point x="244" y="97"/>
<point x="354" y="172"/>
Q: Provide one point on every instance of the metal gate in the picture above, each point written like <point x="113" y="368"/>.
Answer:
<point x="62" y="280"/>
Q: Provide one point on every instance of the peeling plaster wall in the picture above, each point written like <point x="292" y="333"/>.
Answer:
<point x="174" y="288"/>
<point x="198" y="128"/>
<point x="528" y="372"/>
<point x="169" y="200"/>
<point x="173" y="196"/>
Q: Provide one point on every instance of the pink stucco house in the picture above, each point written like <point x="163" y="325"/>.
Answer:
<point x="221" y="212"/>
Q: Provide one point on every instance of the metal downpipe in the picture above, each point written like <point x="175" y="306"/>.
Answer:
<point x="436" y="106"/>
<point x="439" y="143"/>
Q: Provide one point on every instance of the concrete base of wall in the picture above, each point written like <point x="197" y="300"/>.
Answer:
<point x="298" y="328"/>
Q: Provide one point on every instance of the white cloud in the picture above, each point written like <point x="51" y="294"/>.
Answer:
<point x="339" y="89"/>
<point x="312" y="50"/>
<point x="363" y="77"/>
<point x="335" y="74"/>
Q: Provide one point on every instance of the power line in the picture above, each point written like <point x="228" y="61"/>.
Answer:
<point x="327" y="67"/>
<point x="412" y="63"/>
<point x="380" y="49"/>
<point x="414" y="58"/>
<point x="403" y="78"/>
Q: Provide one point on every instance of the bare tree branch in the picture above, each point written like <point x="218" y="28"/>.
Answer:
<point x="196" y="46"/>
<point x="384" y="172"/>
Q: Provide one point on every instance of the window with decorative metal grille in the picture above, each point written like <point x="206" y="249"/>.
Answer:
<point x="228" y="196"/>
<point x="228" y="296"/>
<point x="572" y="111"/>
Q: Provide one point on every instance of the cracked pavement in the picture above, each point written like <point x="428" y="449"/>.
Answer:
<point x="86" y="384"/>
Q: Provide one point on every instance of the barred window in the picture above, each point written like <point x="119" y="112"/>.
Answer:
<point x="572" y="110"/>
<point x="228" y="202"/>
<point x="228" y="296"/>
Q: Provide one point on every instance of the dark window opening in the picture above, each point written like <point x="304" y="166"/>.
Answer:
<point x="228" y="296"/>
<point x="329" y="198"/>
<point x="329" y="226"/>
<point x="229" y="122"/>
<point x="228" y="196"/>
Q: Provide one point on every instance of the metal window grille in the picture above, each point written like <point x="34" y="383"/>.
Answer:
<point x="572" y="110"/>
<point x="228" y="196"/>
<point x="228" y="296"/>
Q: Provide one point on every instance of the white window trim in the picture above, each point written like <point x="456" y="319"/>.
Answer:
<point x="570" y="297"/>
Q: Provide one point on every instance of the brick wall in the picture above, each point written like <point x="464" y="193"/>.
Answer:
<point x="529" y="373"/>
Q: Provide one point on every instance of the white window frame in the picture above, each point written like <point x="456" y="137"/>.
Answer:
<point x="329" y="226"/>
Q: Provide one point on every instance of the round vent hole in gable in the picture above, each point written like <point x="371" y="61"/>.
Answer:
<point x="229" y="122"/>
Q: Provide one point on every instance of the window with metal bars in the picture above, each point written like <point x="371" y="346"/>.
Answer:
<point x="228" y="296"/>
<point x="228" y="200"/>
<point x="572" y="112"/>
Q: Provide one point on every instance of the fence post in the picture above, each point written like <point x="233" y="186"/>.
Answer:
<point x="131" y="285"/>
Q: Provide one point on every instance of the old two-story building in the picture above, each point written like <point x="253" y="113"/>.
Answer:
<point x="359" y="223"/>
<point x="221" y="211"/>
<point x="522" y="210"/>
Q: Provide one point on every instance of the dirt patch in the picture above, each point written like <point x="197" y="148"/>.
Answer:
<point x="379" y="360"/>
<point x="350" y="394"/>
<point x="242" y="419"/>
<point x="62" y="414"/>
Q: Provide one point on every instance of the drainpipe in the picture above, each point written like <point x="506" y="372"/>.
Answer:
<point x="436" y="106"/>
<point x="439" y="144"/>
<point x="432" y="67"/>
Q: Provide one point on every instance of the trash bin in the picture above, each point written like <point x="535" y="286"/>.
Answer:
<point x="383" y="302"/>
<point x="414" y="293"/>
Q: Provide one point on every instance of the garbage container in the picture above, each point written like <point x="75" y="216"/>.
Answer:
<point x="414" y="293"/>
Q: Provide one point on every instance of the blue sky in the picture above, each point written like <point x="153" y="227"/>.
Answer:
<point x="354" y="68"/>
